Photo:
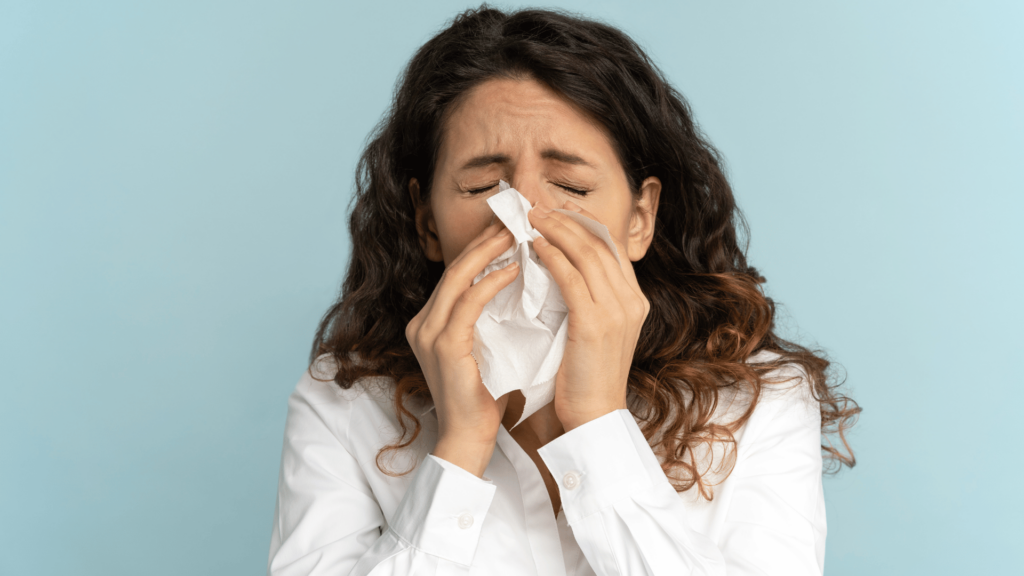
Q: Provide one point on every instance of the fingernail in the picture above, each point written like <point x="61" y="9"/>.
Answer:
<point x="542" y="211"/>
<point x="572" y="206"/>
<point x="540" y="241"/>
<point x="504" y="232"/>
<point x="512" y="266"/>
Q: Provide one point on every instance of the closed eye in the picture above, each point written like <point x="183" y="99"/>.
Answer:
<point x="479" y="190"/>
<point x="576" y="191"/>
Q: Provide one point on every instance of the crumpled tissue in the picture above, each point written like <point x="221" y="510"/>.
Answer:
<point x="520" y="336"/>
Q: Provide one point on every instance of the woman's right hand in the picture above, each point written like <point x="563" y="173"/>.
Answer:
<point x="441" y="337"/>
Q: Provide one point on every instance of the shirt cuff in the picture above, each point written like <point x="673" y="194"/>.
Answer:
<point x="598" y="463"/>
<point x="455" y="468"/>
<point x="443" y="510"/>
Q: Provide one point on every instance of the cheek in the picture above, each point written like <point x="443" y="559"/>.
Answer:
<point x="458" y="227"/>
<point x="618" y="219"/>
<point x="622" y="235"/>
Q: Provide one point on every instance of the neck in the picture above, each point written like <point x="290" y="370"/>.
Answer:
<point x="541" y="427"/>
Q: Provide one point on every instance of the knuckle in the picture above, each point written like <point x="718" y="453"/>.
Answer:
<point x="445" y="343"/>
<point x="576" y="282"/>
<point x="590" y="255"/>
<point x="422" y="342"/>
<point x="637" y="309"/>
<point x="452" y="269"/>
<point x="615" y="317"/>
<point x="446" y="272"/>
<point x="466" y="299"/>
<point x="425" y="330"/>
<point x="413" y="328"/>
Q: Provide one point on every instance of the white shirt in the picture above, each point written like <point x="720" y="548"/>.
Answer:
<point x="338" y="514"/>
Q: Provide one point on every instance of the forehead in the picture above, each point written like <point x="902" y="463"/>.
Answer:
<point x="513" y="116"/>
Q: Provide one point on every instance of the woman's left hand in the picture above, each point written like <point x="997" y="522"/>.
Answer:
<point x="607" y="309"/>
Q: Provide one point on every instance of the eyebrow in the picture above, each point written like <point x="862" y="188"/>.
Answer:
<point x="486" y="160"/>
<point x="547" y="154"/>
<point x="564" y="157"/>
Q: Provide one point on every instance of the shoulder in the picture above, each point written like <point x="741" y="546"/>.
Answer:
<point x="785" y="417"/>
<point x="317" y="387"/>
<point x="362" y="410"/>
<point x="786" y="400"/>
<point x="785" y="391"/>
<point x="782" y="437"/>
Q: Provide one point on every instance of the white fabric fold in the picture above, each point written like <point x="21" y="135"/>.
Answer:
<point x="338" y="513"/>
<point x="520" y="336"/>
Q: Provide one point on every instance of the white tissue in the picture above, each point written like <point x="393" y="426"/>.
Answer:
<point x="520" y="337"/>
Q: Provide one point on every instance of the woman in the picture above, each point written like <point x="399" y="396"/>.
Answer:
<point x="684" y="436"/>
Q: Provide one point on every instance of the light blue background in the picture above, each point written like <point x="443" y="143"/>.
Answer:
<point x="174" y="180"/>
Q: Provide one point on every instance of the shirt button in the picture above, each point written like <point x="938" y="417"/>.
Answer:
<point x="465" y="520"/>
<point x="571" y="480"/>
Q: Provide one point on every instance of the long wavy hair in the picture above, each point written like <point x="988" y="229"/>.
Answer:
<point x="708" y="314"/>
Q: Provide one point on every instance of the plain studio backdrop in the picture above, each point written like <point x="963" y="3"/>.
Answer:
<point x="174" y="186"/>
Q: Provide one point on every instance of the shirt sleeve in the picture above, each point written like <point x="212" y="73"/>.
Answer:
<point x="628" y="519"/>
<point x="327" y="520"/>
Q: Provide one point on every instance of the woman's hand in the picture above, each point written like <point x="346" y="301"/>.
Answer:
<point x="441" y="337"/>
<point x="607" y="309"/>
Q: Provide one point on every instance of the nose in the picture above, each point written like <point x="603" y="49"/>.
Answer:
<point x="534" y="190"/>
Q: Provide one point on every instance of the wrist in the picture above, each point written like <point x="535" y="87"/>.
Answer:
<point x="471" y="456"/>
<point x="574" y="420"/>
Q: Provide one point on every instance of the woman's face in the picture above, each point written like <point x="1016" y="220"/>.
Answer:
<point x="524" y="133"/>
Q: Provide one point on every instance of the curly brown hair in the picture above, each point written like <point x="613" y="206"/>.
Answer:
<point x="708" y="313"/>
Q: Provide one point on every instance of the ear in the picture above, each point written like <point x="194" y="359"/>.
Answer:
<point x="426" y="228"/>
<point x="641" y="223"/>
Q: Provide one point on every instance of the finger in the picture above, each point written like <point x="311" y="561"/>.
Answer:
<point x="584" y="256"/>
<point x="623" y="263"/>
<point x="417" y="323"/>
<point x="460" y="274"/>
<point x="494" y="228"/>
<point x="470" y="304"/>
<point x="613" y="267"/>
<point x="573" y="285"/>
